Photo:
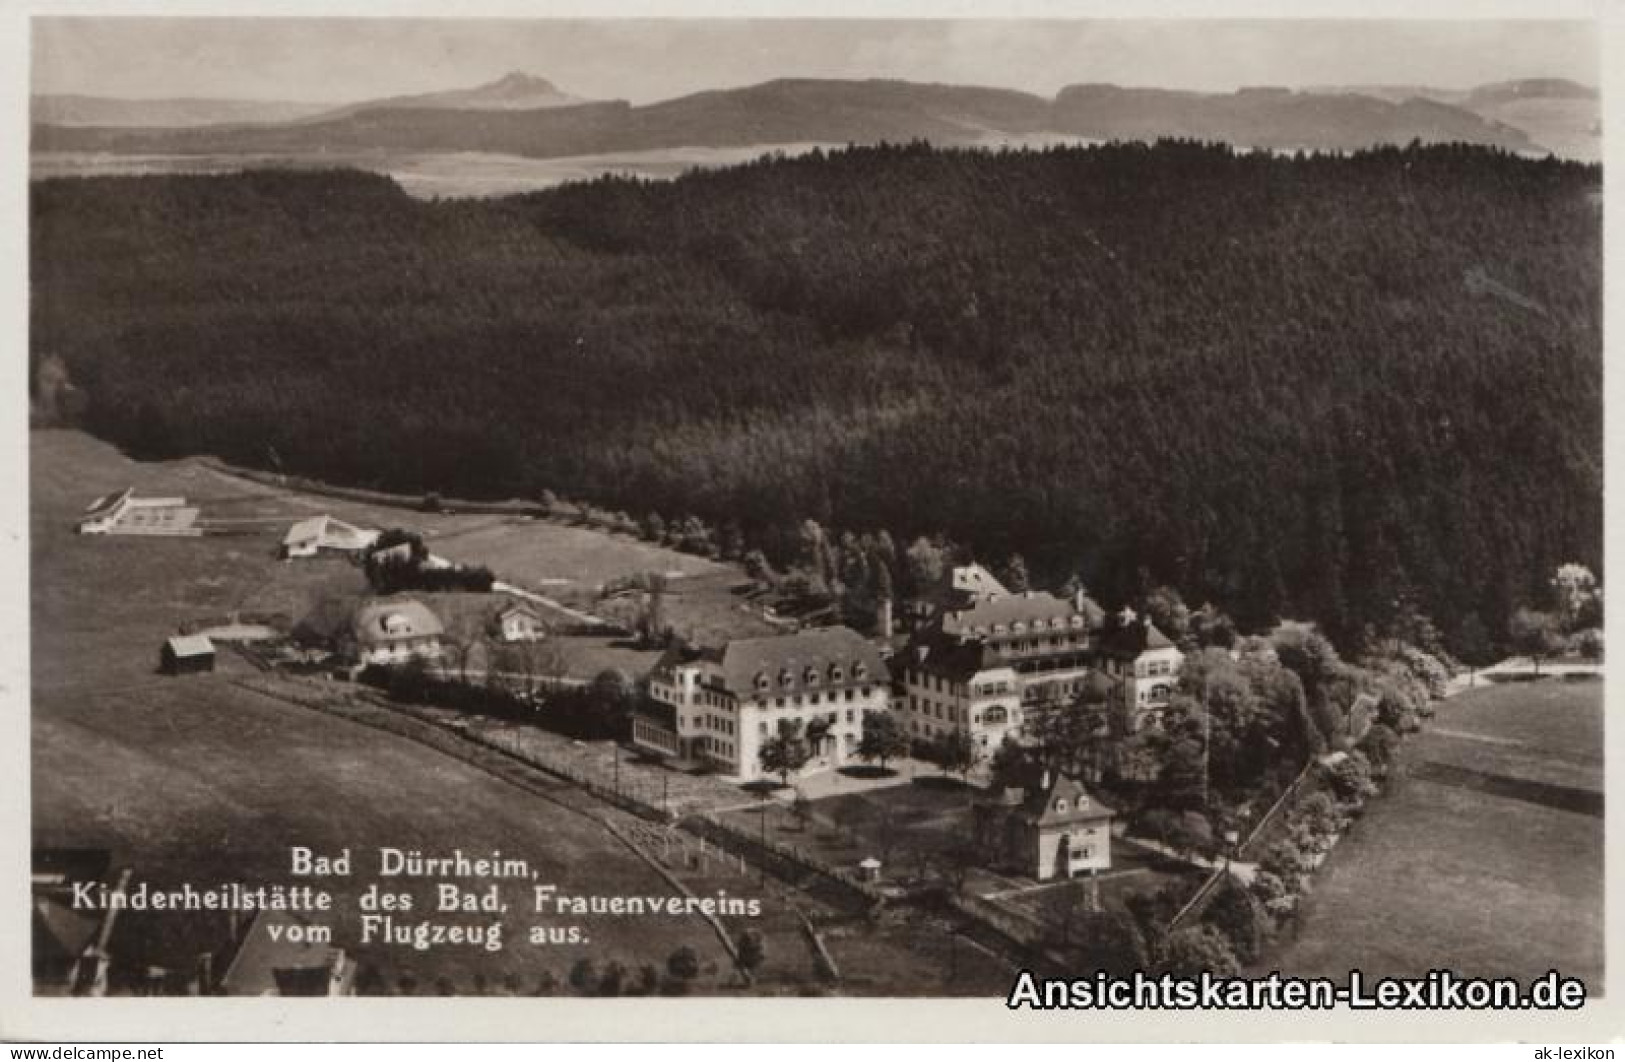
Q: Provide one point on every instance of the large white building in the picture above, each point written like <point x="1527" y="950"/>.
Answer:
<point x="721" y="705"/>
<point x="982" y="668"/>
<point x="989" y="667"/>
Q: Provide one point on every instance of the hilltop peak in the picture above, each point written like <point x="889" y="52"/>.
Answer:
<point x="518" y="81"/>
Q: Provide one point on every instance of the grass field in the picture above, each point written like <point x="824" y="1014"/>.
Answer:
<point x="1447" y="871"/>
<point x="198" y="780"/>
<point x="192" y="779"/>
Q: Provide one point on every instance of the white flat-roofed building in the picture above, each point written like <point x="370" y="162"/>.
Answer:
<point x="124" y="513"/>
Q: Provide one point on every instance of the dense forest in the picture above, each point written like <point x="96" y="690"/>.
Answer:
<point x="1305" y="386"/>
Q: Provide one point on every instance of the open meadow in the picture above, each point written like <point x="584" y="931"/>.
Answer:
<point x="1501" y="799"/>
<point x="193" y="779"/>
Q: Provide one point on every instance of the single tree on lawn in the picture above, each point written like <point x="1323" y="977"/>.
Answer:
<point x="955" y="753"/>
<point x="786" y="751"/>
<point x="883" y="738"/>
<point x="1535" y="634"/>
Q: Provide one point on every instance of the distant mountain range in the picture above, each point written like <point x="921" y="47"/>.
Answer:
<point x="528" y="116"/>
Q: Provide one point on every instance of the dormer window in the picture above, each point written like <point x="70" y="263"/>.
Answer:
<point x="835" y="673"/>
<point x="1060" y="805"/>
<point x="785" y="678"/>
<point x="860" y="671"/>
<point x="762" y="682"/>
<point x="1018" y="627"/>
<point x="1077" y="621"/>
<point x="810" y="676"/>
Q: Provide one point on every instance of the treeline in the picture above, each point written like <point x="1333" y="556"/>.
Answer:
<point x="1311" y="386"/>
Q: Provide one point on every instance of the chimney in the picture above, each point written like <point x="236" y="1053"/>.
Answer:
<point x="1043" y="783"/>
<point x="1077" y="599"/>
<point x="883" y="621"/>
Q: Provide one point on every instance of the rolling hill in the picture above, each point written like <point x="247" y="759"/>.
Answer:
<point x="526" y="116"/>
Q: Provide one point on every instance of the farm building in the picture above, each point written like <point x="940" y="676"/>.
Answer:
<point x="519" y="622"/>
<point x="394" y="630"/>
<point x="292" y="963"/>
<point x="186" y="654"/>
<point x="308" y="538"/>
<point x="125" y="514"/>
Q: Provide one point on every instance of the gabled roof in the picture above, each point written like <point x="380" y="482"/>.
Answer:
<point x="263" y="966"/>
<point x="1064" y="801"/>
<point x="987" y="616"/>
<point x="183" y="645"/>
<point x="974" y="579"/>
<point x="107" y="502"/>
<point x="523" y="608"/>
<point x="1134" y="638"/>
<point x="939" y="652"/>
<point x="794" y="663"/>
<point x="325" y="528"/>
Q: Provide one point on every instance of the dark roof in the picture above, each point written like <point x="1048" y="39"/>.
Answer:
<point x="988" y="615"/>
<point x="1065" y="801"/>
<point x="1133" y="638"/>
<point x="791" y="663"/>
<point x="948" y="655"/>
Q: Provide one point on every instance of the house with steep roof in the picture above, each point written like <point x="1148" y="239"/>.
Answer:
<point x="281" y="955"/>
<point x="720" y="705"/>
<point x="319" y="534"/>
<point x="394" y="630"/>
<point x="1061" y="831"/>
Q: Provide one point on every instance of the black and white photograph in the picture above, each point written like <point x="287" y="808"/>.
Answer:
<point x="1000" y="509"/>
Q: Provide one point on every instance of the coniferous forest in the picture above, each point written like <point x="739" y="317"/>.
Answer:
<point x="1296" y="386"/>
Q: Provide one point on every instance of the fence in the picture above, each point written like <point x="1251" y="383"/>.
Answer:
<point x="1247" y="850"/>
<point x="782" y="859"/>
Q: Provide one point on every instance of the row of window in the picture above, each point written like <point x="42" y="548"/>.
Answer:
<point x="811" y="675"/>
<point x="1040" y="624"/>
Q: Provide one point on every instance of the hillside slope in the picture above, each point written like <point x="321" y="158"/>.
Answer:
<point x="1296" y="386"/>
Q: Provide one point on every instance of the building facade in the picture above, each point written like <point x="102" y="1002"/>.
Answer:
<point x="320" y="534"/>
<point x="125" y="514"/>
<point x="1144" y="667"/>
<point x="987" y="666"/>
<point x="720" y="706"/>
<point x="991" y="666"/>
<point x="519" y="623"/>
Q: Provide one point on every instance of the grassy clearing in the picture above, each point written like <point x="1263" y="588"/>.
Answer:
<point x="195" y="780"/>
<point x="1472" y="877"/>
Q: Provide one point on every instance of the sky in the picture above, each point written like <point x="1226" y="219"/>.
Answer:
<point x="343" y="60"/>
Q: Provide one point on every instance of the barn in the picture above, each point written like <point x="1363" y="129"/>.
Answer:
<point x="186" y="654"/>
